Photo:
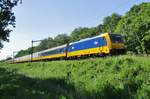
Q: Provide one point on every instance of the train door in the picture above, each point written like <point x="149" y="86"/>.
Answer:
<point x="103" y="43"/>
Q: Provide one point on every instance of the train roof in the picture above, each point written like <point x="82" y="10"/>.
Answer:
<point x="101" y="35"/>
<point x="54" y="48"/>
<point x="29" y="55"/>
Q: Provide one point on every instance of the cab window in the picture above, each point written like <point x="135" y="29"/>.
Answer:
<point x="116" y="38"/>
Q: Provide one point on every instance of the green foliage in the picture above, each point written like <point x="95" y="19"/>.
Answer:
<point x="21" y="53"/>
<point x="61" y="39"/>
<point x="123" y="77"/>
<point x="46" y="43"/>
<point x="110" y="23"/>
<point x="7" y="19"/>
<point x="136" y="26"/>
<point x="81" y="33"/>
<point x="27" y="52"/>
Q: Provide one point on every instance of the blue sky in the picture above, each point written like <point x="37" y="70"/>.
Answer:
<point x="39" y="19"/>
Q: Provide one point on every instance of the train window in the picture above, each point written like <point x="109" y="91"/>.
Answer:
<point x="103" y="41"/>
<point x="116" y="38"/>
<point x="52" y="52"/>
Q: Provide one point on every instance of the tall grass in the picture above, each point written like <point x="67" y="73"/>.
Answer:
<point x="121" y="77"/>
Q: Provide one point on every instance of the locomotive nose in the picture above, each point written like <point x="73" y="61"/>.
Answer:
<point x="118" y="46"/>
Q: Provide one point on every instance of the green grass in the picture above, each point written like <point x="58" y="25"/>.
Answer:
<point x="121" y="77"/>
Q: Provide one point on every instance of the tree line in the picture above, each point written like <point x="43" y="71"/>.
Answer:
<point x="135" y="25"/>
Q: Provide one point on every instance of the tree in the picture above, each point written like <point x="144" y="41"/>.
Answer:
<point x="61" y="39"/>
<point x="110" y="23"/>
<point x="136" y="26"/>
<point x="22" y="53"/>
<point x="81" y="33"/>
<point x="99" y="28"/>
<point x="7" y="19"/>
<point x="51" y="42"/>
<point x="8" y="58"/>
<point x="45" y="44"/>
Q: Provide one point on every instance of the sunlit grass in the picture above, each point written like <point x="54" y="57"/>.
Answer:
<point x="120" y="77"/>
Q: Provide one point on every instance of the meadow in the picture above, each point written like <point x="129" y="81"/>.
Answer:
<point x="117" y="77"/>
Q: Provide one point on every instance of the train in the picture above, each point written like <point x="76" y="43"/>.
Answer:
<point x="103" y="44"/>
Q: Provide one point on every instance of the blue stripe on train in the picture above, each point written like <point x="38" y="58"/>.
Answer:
<point x="91" y="43"/>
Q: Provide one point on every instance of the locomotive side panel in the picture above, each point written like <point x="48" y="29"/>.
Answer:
<point x="88" y="46"/>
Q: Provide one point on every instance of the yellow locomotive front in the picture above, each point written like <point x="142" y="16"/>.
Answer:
<point x="117" y="44"/>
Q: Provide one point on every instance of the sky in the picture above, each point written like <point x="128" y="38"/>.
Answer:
<point x="39" y="19"/>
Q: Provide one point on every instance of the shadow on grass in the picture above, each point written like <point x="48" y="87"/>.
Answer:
<point x="16" y="86"/>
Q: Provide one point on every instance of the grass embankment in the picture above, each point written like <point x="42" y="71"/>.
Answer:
<point x="122" y="77"/>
